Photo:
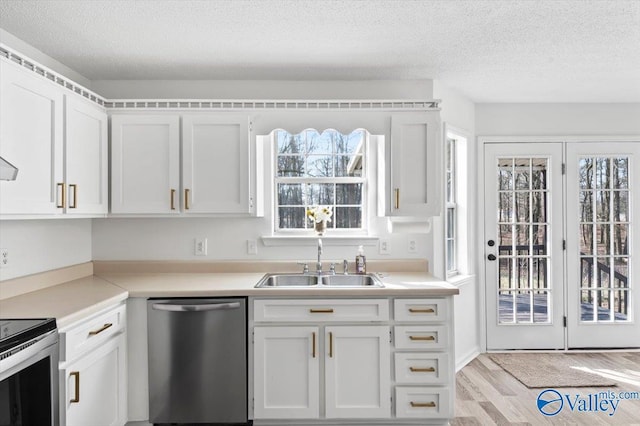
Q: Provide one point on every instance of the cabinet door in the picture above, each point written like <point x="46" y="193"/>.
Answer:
<point x="215" y="164"/>
<point x="86" y="157"/>
<point x="415" y="165"/>
<point x="357" y="372"/>
<point x="145" y="153"/>
<point x="93" y="388"/>
<point x="286" y="373"/>
<point x="30" y="139"/>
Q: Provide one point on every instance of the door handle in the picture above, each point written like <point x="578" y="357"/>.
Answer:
<point x="195" y="308"/>
<point x="491" y="257"/>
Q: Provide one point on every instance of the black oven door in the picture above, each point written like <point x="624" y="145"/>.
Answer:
<point x="29" y="384"/>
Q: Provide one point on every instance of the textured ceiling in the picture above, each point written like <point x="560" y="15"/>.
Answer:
<point x="491" y="51"/>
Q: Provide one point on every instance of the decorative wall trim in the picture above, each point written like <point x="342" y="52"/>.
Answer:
<point x="325" y="105"/>
<point x="216" y="104"/>
<point x="44" y="72"/>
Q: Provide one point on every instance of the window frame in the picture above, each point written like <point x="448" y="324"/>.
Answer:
<point x="365" y="180"/>
<point x="451" y="205"/>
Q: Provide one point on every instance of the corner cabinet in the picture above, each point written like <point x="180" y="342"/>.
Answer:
<point x="58" y="142"/>
<point x="31" y="138"/>
<point x="337" y="361"/>
<point x="93" y="371"/>
<point x="183" y="164"/>
<point x="411" y="187"/>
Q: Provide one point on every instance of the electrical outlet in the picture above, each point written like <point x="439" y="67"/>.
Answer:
<point x="4" y="258"/>
<point x="413" y="246"/>
<point x="252" y="247"/>
<point x="200" y="248"/>
<point x="384" y="246"/>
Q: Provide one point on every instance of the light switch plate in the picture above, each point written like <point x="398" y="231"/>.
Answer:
<point x="252" y="247"/>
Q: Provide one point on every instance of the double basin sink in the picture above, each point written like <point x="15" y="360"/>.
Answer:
<point x="316" y="281"/>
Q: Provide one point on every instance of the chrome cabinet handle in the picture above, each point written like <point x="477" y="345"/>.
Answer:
<point x="195" y="308"/>
<point x="76" y="398"/>
<point x="101" y="329"/>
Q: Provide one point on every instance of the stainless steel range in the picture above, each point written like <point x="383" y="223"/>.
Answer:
<point x="28" y="372"/>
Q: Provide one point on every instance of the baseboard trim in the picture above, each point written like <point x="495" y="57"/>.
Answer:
<point x="467" y="358"/>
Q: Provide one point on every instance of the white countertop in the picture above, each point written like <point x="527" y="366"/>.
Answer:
<point x="76" y="299"/>
<point x="67" y="302"/>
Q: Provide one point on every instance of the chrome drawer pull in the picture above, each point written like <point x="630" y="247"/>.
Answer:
<point x="101" y="329"/>
<point x="422" y="370"/>
<point x="429" y="404"/>
<point x="422" y="338"/>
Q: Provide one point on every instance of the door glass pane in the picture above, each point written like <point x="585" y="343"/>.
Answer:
<point x="523" y="241"/>
<point x="603" y="232"/>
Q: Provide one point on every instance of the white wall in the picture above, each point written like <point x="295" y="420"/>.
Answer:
<point x="557" y="119"/>
<point x="458" y="114"/>
<point x="26" y="49"/>
<point x="40" y="245"/>
<point x="264" y="89"/>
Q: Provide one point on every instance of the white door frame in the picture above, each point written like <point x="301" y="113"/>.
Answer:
<point x="482" y="141"/>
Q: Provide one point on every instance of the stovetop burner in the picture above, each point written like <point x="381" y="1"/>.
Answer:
<point x="14" y="332"/>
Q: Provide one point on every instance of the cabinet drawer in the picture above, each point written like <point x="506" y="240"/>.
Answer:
<point x="422" y="402"/>
<point x="422" y="367"/>
<point x="421" y="336"/>
<point x="423" y="310"/>
<point x="320" y="310"/>
<point x="90" y="333"/>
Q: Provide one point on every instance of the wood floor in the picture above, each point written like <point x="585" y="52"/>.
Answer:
<point x="488" y="395"/>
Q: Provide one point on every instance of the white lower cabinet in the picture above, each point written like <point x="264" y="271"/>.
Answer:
<point x="357" y="376"/>
<point x="287" y="373"/>
<point x="93" y="383"/>
<point x="341" y="361"/>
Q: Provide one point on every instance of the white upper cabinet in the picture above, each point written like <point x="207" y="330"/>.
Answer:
<point x="412" y="186"/>
<point x="145" y="164"/>
<point x="86" y="150"/>
<point x="31" y="132"/>
<point x="216" y="164"/>
<point x="217" y="174"/>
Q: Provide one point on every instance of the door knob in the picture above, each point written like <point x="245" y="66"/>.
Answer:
<point x="491" y="243"/>
<point x="491" y="257"/>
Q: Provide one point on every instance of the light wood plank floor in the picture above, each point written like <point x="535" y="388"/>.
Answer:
<point x="488" y="395"/>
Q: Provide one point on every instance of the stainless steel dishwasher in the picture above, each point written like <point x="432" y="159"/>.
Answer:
<point x="197" y="360"/>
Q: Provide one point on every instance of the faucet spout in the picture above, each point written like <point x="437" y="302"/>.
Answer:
<point x="319" y="263"/>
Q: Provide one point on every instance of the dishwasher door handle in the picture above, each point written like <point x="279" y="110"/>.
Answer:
<point x="195" y="308"/>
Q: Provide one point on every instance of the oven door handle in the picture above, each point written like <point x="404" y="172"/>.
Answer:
<point x="195" y="308"/>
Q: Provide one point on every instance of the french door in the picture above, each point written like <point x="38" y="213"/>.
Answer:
<point x="559" y="237"/>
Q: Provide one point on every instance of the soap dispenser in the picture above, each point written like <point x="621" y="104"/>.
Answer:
<point x="361" y="261"/>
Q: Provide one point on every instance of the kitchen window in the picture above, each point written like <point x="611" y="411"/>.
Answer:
<point x="451" y="208"/>
<point x="320" y="169"/>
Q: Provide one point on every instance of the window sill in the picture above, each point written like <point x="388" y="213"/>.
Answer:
<point x="459" y="280"/>
<point x="309" y="240"/>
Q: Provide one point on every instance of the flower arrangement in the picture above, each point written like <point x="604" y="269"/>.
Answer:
<point x="318" y="214"/>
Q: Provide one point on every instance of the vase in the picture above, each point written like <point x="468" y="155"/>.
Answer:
<point x="320" y="227"/>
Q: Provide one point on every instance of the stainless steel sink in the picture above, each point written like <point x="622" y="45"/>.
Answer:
<point x="319" y="281"/>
